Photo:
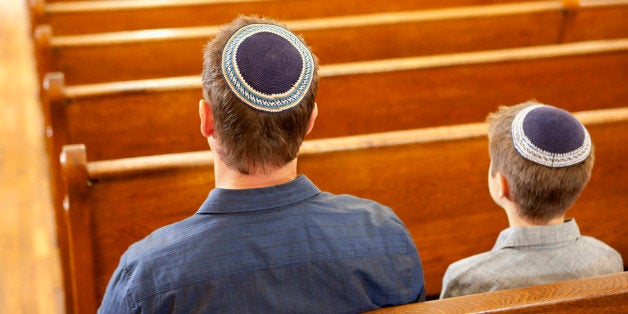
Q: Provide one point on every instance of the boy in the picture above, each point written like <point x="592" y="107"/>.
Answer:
<point x="541" y="159"/>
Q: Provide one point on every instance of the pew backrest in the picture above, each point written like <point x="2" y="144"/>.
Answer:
<point x="602" y="294"/>
<point x="141" y="54"/>
<point x="148" y="117"/>
<point x="74" y="17"/>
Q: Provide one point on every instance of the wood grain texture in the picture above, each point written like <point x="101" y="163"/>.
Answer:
<point x="165" y="118"/>
<point x="88" y="58"/>
<point x="139" y="54"/>
<point x="73" y="17"/>
<point x="603" y="294"/>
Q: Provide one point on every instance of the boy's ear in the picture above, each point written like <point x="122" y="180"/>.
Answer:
<point x="207" y="119"/>
<point x="504" y="187"/>
<point x="313" y="116"/>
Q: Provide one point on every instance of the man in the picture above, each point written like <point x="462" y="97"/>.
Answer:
<point x="541" y="159"/>
<point x="266" y="239"/>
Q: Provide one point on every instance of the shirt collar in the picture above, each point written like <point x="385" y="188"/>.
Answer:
<point x="247" y="200"/>
<point x="537" y="235"/>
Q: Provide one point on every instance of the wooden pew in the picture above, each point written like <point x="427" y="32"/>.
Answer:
<point x="599" y="19"/>
<point x="157" y="53"/>
<point x="434" y="179"/>
<point x="126" y="119"/>
<point x="74" y="17"/>
<point x="602" y="294"/>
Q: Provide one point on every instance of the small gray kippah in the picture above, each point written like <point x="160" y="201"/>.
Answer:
<point x="550" y="136"/>
<point x="268" y="67"/>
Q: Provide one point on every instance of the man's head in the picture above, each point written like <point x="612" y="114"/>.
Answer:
<point x="545" y="156"/>
<point x="260" y="81"/>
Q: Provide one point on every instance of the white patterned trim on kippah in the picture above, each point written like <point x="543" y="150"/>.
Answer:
<point x="252" y="97"/>
<point x="531" y="152"/>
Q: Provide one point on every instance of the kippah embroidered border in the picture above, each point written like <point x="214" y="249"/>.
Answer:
<point x="531" y="152"/>
<point x="256" y="99"/>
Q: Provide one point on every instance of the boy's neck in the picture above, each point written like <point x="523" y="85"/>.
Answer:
<point x="514" y="220"/>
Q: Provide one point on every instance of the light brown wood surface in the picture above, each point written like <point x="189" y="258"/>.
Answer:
<point x="140" y="54"/>
<point x="72" y="17"/>
<point x="378" y="96"/>
<point x="30" y="279"/>
<point x="603" y="294"/>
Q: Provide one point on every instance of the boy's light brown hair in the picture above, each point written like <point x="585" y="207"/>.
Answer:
<point x="252" y="141"/>
<point x="541" y="193"/>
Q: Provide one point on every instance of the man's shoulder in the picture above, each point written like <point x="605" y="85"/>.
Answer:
<point x="354" y="207"/>
<point x="159" y="242"/>
<point x="352" y="203"/>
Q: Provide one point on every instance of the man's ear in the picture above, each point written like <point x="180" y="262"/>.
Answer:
<point x="207" y="119"/>
<point x="313" y="116"/>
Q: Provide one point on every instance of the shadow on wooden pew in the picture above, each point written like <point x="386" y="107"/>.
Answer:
<point x="141" y="54"/>
<point x="602" y="294"/>
<point x="434" y="179"/>
<point x="74" y="17"/>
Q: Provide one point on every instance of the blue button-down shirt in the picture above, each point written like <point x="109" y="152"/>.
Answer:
<point x="288" y="248"/>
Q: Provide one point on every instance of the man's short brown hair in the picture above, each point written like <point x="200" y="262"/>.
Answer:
<point x="252" y="141"/>
<point x="541" y="193"/>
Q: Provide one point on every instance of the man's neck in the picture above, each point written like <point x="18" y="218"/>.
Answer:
<point x="226" y="177"/>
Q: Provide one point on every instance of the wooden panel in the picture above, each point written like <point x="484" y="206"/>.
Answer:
<point x="156" y="120"/>
<point x="79" y="231"/>
<point x="606" y="294"/>
<point x="434" y="179"/>
<point x="175" y="52"/>
<point x="74" y="17"/>
<point x="597" y="19"/>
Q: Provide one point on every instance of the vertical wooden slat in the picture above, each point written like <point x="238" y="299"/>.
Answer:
<point x="77" y="213"/>
<point x="42" y="45"/>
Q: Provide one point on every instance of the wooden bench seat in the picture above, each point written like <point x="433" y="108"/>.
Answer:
<point x="158" y="53"/>
<point x="602" y="294"/>
<point x="434" y="179"/>
<point x="127" y="119"/>
<point x="74" y="17"/>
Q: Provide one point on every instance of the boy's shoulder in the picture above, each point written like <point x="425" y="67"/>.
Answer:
<point x="599" y="249"/>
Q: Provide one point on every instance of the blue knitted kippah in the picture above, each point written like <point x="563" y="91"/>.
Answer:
<point x="268" y="67"/>
<point x="550" y="136"/>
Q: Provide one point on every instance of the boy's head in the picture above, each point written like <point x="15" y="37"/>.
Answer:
<point x="545" y="155"/>
<point x="260" y="80"/>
